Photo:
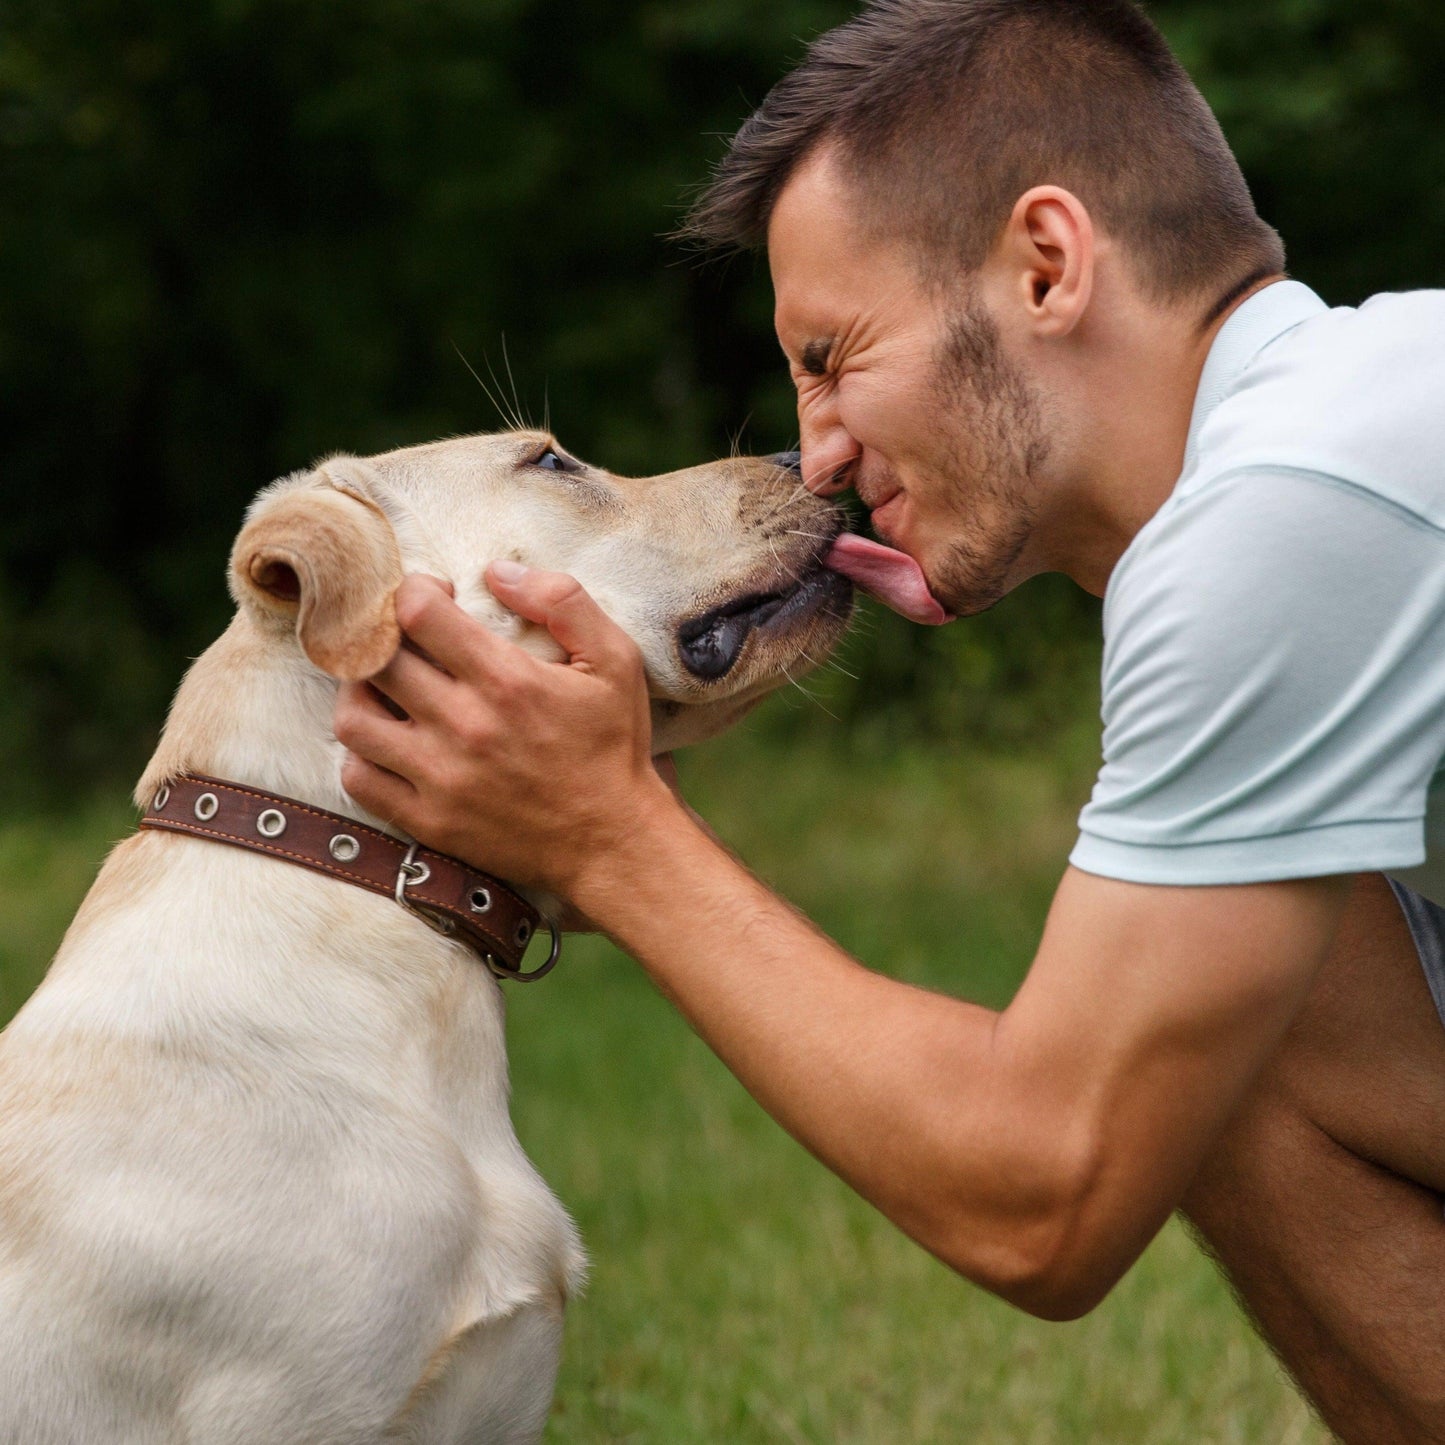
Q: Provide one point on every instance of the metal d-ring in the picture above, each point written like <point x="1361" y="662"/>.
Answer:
<point x="517" y="975"/>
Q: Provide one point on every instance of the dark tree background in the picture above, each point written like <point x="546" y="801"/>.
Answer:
<point x="236" y="234"/>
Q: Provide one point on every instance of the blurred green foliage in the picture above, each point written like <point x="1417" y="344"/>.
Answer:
<point x="237" y="234"/>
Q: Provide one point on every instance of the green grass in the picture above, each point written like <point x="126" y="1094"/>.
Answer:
<point x="739" y="1293"/>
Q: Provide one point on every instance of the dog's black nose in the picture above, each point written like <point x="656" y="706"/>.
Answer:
<point x="789" y="462"/>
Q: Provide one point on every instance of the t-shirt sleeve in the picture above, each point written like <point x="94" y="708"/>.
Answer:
<point x="1273" y="687"/>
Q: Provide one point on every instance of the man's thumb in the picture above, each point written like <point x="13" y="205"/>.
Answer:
<point x="563" y="606"/>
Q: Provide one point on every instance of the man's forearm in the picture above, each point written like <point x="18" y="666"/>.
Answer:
<point x="898" y="1090"/>
<point x="1038" y="1150"/>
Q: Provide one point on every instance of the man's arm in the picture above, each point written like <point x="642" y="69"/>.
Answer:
<point x="1036" y="1151"/>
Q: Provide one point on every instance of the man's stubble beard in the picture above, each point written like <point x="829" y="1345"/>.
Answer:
<point x="994" y="447"/>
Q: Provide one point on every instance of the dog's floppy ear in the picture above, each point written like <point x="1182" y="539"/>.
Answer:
<point x="324" y="557"/>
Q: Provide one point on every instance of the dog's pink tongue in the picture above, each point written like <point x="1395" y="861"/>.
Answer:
<point x="893" y="577"/>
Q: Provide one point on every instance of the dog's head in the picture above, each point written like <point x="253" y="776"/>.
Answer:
<point x="715" y="572"/>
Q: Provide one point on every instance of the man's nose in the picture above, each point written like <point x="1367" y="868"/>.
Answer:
<point x="829" y="450"/>
<point x="789" y="462"/>
<point x="826" y="466"/>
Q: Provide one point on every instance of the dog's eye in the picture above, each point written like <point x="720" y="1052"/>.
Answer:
<point x="554" y="461"/>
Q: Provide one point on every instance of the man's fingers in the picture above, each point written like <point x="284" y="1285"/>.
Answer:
<point x="458" y="643"/>
<point x="368" y="731"/>
<point x="417" y="687"/>
<point x="562" y="605"/>
<point x="380" y="793"/>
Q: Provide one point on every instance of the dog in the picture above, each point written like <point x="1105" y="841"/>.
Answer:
<point x="258" y="1179"/>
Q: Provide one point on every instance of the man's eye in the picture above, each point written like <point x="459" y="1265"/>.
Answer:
<point x="554" y="461"/>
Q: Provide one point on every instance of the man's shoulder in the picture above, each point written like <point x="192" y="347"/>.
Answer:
<point x="1355" y="393"/>
<point x="1392" y="345"/>
<point x="1270" y="701"/>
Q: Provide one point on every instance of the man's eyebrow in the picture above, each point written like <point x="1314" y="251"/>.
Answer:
<point x="815" y="356"/>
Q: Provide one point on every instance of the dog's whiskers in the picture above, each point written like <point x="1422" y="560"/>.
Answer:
<point x="512" y="380"/>
<point x="781" y="506"/>
<point x="513" y="416"/>
<point x="811" y="697"/>
<point x="486" y="390"/>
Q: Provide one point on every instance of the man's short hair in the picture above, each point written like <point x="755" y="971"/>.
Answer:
<point x="945" y="112"/>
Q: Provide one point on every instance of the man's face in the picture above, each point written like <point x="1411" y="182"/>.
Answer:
<point x="904" y="394"/>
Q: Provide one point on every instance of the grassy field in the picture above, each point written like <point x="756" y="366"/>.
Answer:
<point x="738" y="1292"/>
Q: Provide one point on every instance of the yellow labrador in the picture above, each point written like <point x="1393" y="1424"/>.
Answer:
<point x="258" y="1180"/>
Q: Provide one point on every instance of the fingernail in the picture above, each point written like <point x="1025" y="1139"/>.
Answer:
<point x="505" y="570"/>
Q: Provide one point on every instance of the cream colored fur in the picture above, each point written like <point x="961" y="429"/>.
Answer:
<point x="258" y="1181"/>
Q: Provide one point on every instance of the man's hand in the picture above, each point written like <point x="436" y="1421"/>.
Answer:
<point x="528" y="769"/>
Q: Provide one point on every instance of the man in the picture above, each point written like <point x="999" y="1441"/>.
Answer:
<point x="1036" y="324"/>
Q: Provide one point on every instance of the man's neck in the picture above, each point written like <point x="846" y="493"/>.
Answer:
<point x="1130" y="444"/>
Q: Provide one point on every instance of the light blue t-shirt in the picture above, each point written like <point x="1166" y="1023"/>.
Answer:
<point x="1274" y="637"/>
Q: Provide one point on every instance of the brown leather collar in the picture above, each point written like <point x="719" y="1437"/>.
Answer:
<point x="472" y="907"/>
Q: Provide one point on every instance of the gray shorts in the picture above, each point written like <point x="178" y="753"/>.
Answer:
<point x="1427" y="928"/>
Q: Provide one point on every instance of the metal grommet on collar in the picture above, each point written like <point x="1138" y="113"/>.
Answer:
<point x="161" y="799"/>
<point x="523" y="934"/>
<point x="344" y="848"/>
<point x="271" y="823"/>
<point x="479" y="900"/>
<point x="207" y="806"/>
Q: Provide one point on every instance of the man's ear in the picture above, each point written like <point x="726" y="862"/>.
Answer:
<point x="324" y="559"/>
<point x="1050" y="249"/>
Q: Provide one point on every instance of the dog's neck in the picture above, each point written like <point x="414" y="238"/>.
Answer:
<point x="253" y="710"/>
